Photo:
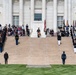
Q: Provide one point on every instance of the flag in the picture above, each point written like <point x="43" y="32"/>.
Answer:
<point x="64" y="22"/>
<point x="73" y="22"/>
<point x="67" y="23"/>
<point x="44" y="25"/>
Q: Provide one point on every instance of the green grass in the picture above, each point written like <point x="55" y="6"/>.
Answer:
<point x="22" y="70"/>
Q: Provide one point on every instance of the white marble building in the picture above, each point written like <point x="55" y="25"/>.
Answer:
<point x="35" y="12"/>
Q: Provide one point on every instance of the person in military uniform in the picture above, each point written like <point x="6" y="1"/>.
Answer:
<point x="38" y="32"/>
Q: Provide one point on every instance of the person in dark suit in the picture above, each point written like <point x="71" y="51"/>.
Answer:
<point x="6" y="57"/>
<point x="63" y="57"/>
<point x="16" y="38"/>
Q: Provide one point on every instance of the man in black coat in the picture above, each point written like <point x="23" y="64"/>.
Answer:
<point x="16" y="38"/>
<point x="6" y="57"/>
<point x="63" y="57"/>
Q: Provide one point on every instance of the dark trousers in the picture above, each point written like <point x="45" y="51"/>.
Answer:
<point x="16" y="41"/>
<point x="63" y="61"/>
<point x="6" y="61"/>
<point x="38" y="36"/>
<point x="28" y="33"/>
<point x="0" y="48"/>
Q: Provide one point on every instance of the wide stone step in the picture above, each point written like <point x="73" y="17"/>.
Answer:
<point x="38" y="51"/>
<point x="38" y="66"/>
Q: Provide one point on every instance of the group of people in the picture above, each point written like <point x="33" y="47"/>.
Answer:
<point x="63" y="32"/>
<point x="2" y="37"/>
<point x="49" y="32"/>
<point x="73" y="35"/>
<point x="18" y="31"/>
<point x="21" y="30"/>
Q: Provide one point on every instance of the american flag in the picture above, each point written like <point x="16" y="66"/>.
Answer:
<point x="73" y="22"/>
<point x="64" y="22"/>
<point x="44" y="25"/>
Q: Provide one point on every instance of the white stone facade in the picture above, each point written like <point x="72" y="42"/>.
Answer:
<point x="23" y="11"/>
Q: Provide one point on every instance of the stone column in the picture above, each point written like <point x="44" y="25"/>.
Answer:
<point x="43" y="17"/>
<point x="43" y="10"/>
<point x="32" y="19"/>
<point x="10" y="12"/>
<point x="21" y="12"/>
<point x="70" y="12"/>
<point x="55" y="16"/>
<point x="32" y="11"/>
<point x="4" y="15"/>
<point x="66" y="11"/>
